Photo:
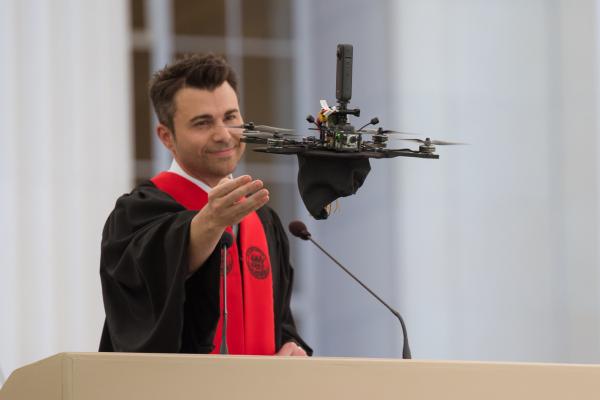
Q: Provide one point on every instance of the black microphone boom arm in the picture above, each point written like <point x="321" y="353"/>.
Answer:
<point x="298" y="229"/>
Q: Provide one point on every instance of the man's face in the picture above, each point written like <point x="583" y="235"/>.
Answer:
<point x="202" y="144"/>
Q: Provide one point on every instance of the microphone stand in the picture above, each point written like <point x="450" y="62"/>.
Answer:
<point x="405" y="347"/>
<point x="224" y="349"/>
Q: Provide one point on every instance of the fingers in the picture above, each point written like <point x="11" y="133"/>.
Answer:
<point x="291" y="349"/>
<point x="249" y="188"/>
<point x="254" y="202"/>
<point x="287" y="349"/>
<point x="233" y="190"/>
<point x="239" y="210"/>
<point x="232" y="199"/>
<point x="299" y="352"/>
<point x="227" y="184"/>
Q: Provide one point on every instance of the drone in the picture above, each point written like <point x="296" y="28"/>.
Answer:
<point x="334" y="136"/>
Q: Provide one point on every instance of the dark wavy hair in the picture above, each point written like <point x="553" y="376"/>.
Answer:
<point x="207" y="71"/>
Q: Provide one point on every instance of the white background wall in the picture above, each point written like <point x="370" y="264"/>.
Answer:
<point x="65" y="155"/>
<point x="513" y="269"/>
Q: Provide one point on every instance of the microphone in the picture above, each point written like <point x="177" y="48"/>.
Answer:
<point x="225" y="242"/>
<point x="298" y="229"/>
<point x="226" y="239"/>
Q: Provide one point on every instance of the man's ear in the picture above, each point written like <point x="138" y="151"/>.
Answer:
<point x="166" y="137"/>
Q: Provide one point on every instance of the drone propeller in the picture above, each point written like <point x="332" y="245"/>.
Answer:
<point x="428" y="141"/>
<point x="268" y="135"/>
<point x="257" y="134"/>
<point x="381" y="131"/>
<point x="251" y="127"/>
<point x="274" y="129"/>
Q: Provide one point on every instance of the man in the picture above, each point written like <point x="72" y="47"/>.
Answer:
<point x="160" y="263"/>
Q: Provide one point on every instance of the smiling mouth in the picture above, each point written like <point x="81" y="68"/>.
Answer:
<point x="223" y="152"/>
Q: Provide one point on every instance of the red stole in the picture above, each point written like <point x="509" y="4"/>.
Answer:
<point x="250" y="322"/>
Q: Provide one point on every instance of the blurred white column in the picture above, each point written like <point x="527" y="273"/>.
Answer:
<point x="65" y="155"/>
<point x="159" y="17"/>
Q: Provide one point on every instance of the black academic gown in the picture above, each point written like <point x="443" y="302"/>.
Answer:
<point x="151" y="303"/>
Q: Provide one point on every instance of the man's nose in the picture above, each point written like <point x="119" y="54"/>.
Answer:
<point x="221" y="133"/>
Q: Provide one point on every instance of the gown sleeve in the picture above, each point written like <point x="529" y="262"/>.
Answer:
<point x="143" y="270"/>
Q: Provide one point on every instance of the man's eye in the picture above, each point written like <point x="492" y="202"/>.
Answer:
<point x="202" y="124"/>
<point x="231" y="117"/>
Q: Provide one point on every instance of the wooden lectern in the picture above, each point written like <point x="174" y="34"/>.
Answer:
<point x="116" y="376"/>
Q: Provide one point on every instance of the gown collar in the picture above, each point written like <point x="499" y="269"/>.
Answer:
<point x="176" y="169"/>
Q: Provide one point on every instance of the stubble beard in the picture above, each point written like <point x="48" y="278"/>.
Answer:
<point x="218" y="169"/>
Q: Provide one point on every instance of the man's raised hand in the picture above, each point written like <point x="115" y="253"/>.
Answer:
<point x="232" y="199"/>
<point x="228" y="203"/>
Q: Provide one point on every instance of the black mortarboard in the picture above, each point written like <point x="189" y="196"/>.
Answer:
<point x="324" y="178"/>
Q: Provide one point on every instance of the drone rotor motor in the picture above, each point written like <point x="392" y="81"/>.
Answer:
<point x="380" y="140"/>
<point x="275" y="142"/>
<point x="427" y="147"/>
